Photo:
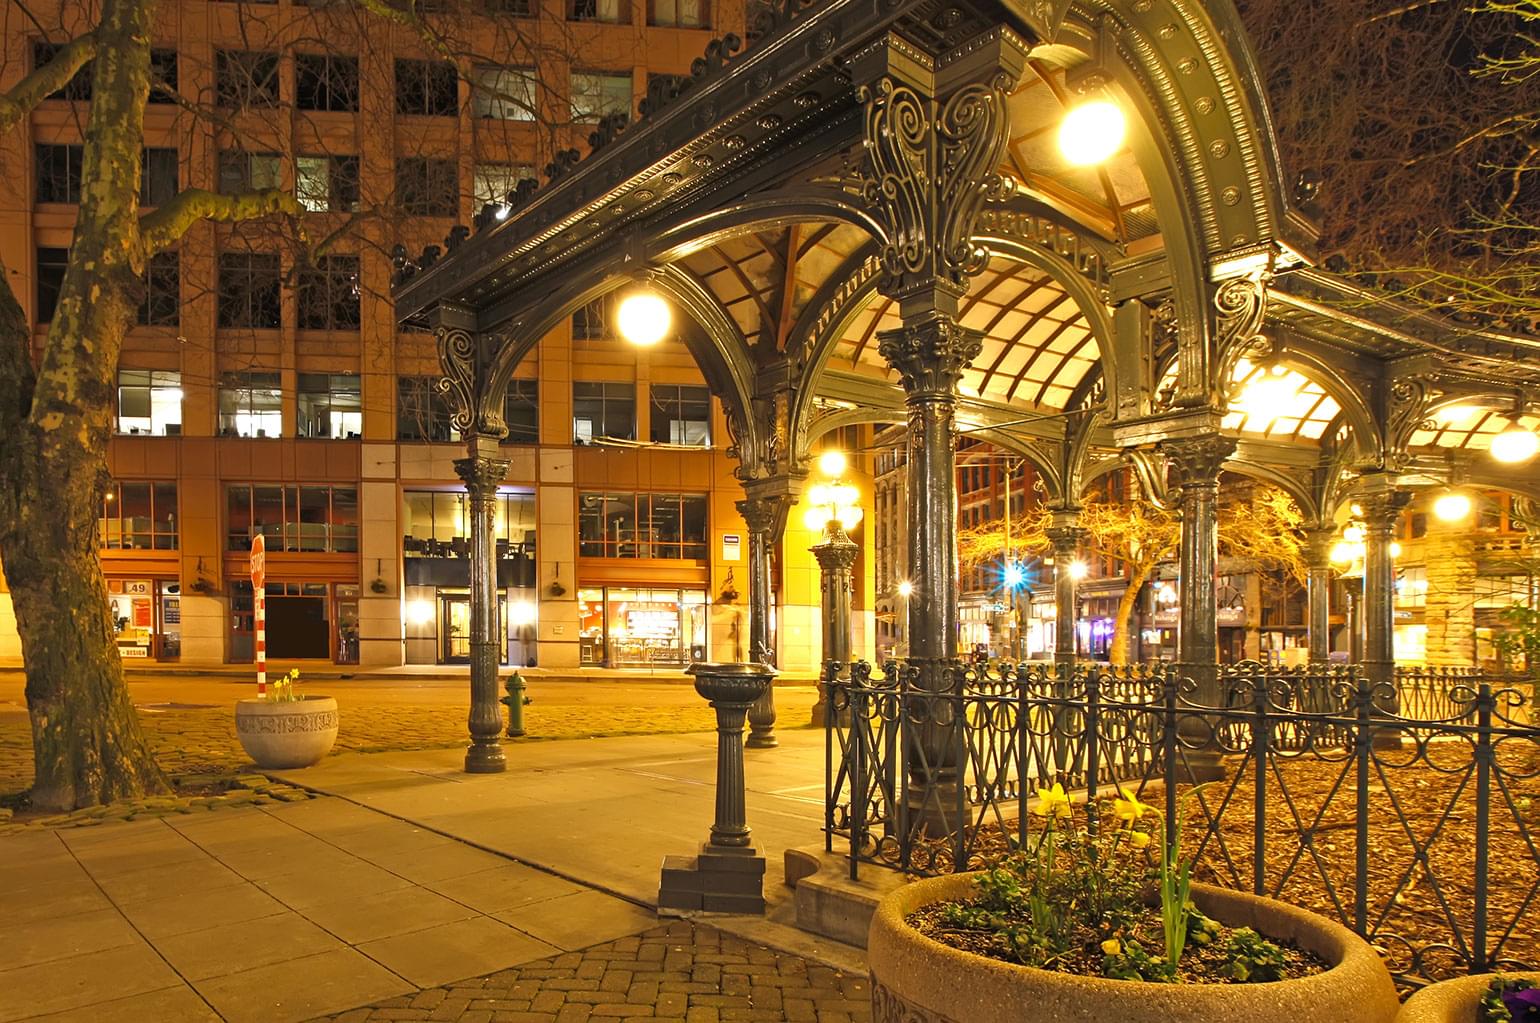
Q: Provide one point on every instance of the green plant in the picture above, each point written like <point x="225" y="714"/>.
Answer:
<point x="1517" y="638"/>
<point x="1509" y="1000"/>
<point x="1251" y="958"/>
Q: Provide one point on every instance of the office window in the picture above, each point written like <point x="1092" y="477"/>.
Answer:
<point x="320" y="520"/>
<point x="493" y="181"/>
<point x="240" y="171"/>
<point x="591" y="322"/>
<point x="521" y="411"/>
<point x="436" y="524"/>
<point x="503" y="93"/>
<point x="249" y="290"/>
<point x="162" y="305"/>
<point x="58" y="172"/>
<point x="681" y="415"/>
<point x="325" y="81"/>
<point x="680" y="13"/>
<point x="597" y="94"/>
<point x="608" y="11"/>
<point x="163" y="76"/>
<point x="328" y="294"/>
<point x="603" y="410"/>
<point x="326" y="183"/>
<point x="159" y="176"/>
<point x="245" y="79"/>
<point x="422" y="413"/>
<point x="150" y="401"/>
<point x="625" y="525"/>
<point x="250" y="405"/>
<point x="511" y="8"/>
<point x="138" y="516"/>
<point x="78" y="87"/>
<point x="427" y="188"/>
<point x="330" y="405"/>
<point x="427" y="87"/>
<point x="51" y="264"/>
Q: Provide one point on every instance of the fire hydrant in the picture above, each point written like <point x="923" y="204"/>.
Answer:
<point x="515" y="701"/>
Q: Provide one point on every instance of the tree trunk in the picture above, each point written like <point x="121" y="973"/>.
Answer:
<point x="87" y="743"/>
<point x="1122" y="638"/>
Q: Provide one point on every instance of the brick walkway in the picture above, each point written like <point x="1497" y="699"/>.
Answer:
<point x="677" y="973"/>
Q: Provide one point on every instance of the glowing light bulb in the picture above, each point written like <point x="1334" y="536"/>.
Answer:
<point x="643" y="318"/>
<point x="1091" y="132"/>
<point x="1395" y="549"/>
<point x="1342" y="552"/>
<point x="832" y="464"/>
<point x="1452" y="507"/>
<point x="1078" y="570"/>
<point x="905" y="588"/>
<point x="419" y="612"/>
<point x="1015" y="575"/>
<point x="1515" y="444"/>
<point x="1353" y="534"/>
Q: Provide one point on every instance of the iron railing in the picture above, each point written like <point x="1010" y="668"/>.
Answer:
<point x="1401" y="809"/>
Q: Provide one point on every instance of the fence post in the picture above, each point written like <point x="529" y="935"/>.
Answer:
<point x="1363" y="750"/>
<point x="1484" y="756"/>
<point x="831" y="786"/>
<point x="1022" y="732"/>
<point x="959" y="694"/>
<point x="1093" y="694"/>
<point x="1261" y="750"/>
<point x="901" y="775"/>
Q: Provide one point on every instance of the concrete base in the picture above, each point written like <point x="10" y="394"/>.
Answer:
<point x="719" y="880"/>
<point x="831" y="905"/>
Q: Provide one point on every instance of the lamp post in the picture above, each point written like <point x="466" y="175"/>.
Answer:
<point x="832" y="511"/>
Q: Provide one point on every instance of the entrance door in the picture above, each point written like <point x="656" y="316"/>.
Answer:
<point x="454" y="628"/>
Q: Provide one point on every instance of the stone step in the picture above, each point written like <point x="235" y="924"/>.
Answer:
<point x="828" y="902"/>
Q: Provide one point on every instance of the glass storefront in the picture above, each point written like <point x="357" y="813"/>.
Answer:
<point x="622" y="627"/>
<point x="146" y="618"/>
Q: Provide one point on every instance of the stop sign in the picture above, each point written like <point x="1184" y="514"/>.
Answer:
<point x="258" y="562"/>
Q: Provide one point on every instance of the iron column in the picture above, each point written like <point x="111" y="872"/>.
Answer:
<point x="481" y="474"/>
<point x="1196" y="461"/>
<point x="836" y="556"/>
<point x="1382" y="505"/>
<point x="1065" y="536"/>
<point x="766" y="518"/>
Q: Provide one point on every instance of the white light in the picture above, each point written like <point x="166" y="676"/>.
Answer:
<point x="1395" y="549"/>
<point x="850" y="517"/>
<point x="1515" y="444"/>
<point x="1342" y="552"/>
<point x="503" y="211"/>
<point x="1015" y="575"/>
<point x="1279" y="369"/>
<point x="521" y="614"/>
<point x="1078" y="570"/>
<point x="905" y="588"/>
<point x="1269" y="396"/>
<point x="832" y="464"/>
<point x="815" y="518"/>
<point x="172" y="394"/>
<point x="1357" y="510"/>
<point x="1452" y="507"/>
<point x="1092" y="132"/>
<point x="643" y="318"/>
<point x="1455" y="414"/>
<point x="1353" y="534"/>
<point x="419" y="612"/>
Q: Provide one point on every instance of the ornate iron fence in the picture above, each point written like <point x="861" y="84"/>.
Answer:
<point x="1407" y="810"/>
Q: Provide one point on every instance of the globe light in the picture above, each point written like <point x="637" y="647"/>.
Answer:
<point x="905" y="588"/>
<point x="419" y="612"/>
<point x="1452" y="507"/>
<point x="1015" y="575"/>
<point x="816" y="517"/>
<point x="832" y="464"/>
<point x="1515" y="444"/>
<point x="1342" y="552"/>
<point x="1357" y="510"/>
<point x="850" y="517"/>
<point x="1078" y="570"/>
<point x="1353" y="534"/>
<point x="1395" y="549"/>
<point x="643" y="318"/>
<point x="1091" y="132"/>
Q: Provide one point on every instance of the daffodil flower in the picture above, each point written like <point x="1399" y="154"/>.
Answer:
<point x="1138" y="839"/>
<point x="1112" y="947"/>
<point x="1052" y="802"/>
<point x="1127" y="807"/>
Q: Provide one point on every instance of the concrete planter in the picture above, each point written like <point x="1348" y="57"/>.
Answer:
<point x="1453" y="1001"/>
<point x="280" y="736"/>
<point x="918" y="980"/>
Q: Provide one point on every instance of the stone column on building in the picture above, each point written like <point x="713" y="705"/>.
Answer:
<point x="1318" y="545"/>
<point x="1065" y="535"/>
<point x="1382" y="505"/>
<point x="1449" y="560"/>
<point x="765" y="516"/>
<point x="836" y="556"/>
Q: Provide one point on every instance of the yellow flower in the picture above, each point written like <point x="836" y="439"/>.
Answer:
<point x="1138" y="839"/>
<point x="1112" y="947"/>
<point x="1052" y="802"/>
<point x="1127" y="807"/>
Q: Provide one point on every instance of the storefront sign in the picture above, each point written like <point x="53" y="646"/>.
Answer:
<point x="141" y="613"/>
<point x="732" y="547"/>
<point x="137" y="587"/>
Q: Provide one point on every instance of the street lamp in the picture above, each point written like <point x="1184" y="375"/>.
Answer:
<point x="832" y="511"/>
<point x="1091" y="132"/>
<point x="1452" y="507"/>
<point x="1515" y="444"/>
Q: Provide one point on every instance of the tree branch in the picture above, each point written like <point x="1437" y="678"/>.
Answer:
<point x="161" y="229"/>
<point x="46" y="80"/>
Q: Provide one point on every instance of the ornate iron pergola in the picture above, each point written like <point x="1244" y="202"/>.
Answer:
<point x="863" y="219"/>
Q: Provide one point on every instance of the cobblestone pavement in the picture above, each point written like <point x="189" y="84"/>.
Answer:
<point x="191" y="726"/>
<point x="678" y="973"/>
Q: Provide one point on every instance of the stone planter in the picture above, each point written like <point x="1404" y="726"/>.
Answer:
<point x="1453" y="1001"/>
<point x="280" y="736"/>
<point x="918" y="980"/>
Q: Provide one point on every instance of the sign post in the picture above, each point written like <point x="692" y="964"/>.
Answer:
<point x="259" y="605"/>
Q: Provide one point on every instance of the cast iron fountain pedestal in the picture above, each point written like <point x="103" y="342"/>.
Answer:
<point x="729" y="874"/>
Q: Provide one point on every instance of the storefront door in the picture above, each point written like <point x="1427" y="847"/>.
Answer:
<point x="454" y="627"/>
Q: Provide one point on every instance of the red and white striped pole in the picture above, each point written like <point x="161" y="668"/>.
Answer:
<point x="259" y="605"/>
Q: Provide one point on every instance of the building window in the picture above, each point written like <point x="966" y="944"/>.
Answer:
<point x="51" y="264"/>
<point x="319" y="520"/>
<point x="680" y="13"/>
<point x="325" y="81"/>
<point x="58" y="172"/>
<point x="328" y="294"/>
<point x="511" y="8"/>
<point x="160" y="179"/>
<point x="612" y="525"/>
<point x="597" y="94"/>
<point x="245" y="79"/>
<point x="603" y="410"/>
<point x="250" y="405"/>
<point x="240" y="171"/>
<point x="591" y="322"/>
<point x="503" y="93"/>
<point x="162" y="305"/>
<point x="681" y="415"/>
<point x="249" y="290"/>
<point x="150" y="401"/>
<point x="163" y="76"/>
<point x="138" y="517"/>
<point x="422" y="412"/>
<point x="436" y="524"/>
<point x="427" y="188"/>
<point x="427" y="87"/>
<point x="610" y="12"/>
<point x="493" y="181"/>
<point x="521" y="411"/>
<point x="327" y="184"/>
<point x="330" y="405"/>
<point x="78" y="87"/>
